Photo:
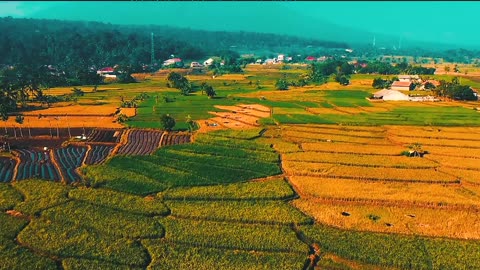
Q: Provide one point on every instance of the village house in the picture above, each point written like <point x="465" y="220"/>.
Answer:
<point x="173" y="61"/>
<point x="310" y="58"/>
<point x="196" y="65"/>
<point x="409" y="78"/>
<point x="208" y="62"/>
<point x="402" y="86"/>
<point x="107" y="72"/>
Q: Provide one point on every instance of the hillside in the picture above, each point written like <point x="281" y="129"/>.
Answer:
<point x="67" y="43"/>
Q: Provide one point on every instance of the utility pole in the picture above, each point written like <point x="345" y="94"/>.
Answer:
<point x="152" y="53"/>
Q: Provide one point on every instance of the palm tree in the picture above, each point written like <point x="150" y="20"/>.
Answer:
<point x="19" y="120"/>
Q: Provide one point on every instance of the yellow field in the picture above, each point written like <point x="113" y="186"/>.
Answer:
<point x="393" y="219"/>
<point x="352" y="148"/>
<point x="386" y="192"/>
<point x="361" y="171"/>
<point x="359" y="159"/>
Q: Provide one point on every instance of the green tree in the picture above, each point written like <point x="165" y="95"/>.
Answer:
<point x="77" y="91"/>
<point x="167" y="122"/>
<point x="282" y="83"/>
<point x="210" y="91"/>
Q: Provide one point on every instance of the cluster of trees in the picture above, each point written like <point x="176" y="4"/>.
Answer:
<point x="178" y="81"/>
<point x="379" y="83"/>
<point x="377" y="67"/>
<point x="341" y="70"/>
<point x="455" y="90"/>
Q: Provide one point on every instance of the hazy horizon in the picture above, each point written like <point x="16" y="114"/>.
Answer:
<point x="429" y="22"/>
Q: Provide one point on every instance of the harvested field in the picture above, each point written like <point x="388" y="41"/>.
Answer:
<point x="174" y="139"/>
<point x="105" y="135"/>
<point x="69" y="159"/>
<point x="385" y="193"/>
<point x="66" y="122"/>
<point x="141" y="142"/>
<point x="396" y="219"/>
<point x="97" y="154"/>
<point x="36" y="164"/>
<point x="7" y="167"/>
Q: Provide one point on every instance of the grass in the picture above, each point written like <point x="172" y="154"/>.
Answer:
<point x="405" y="252"/>
<point x="197" y="165"/>
<point x="74" y="240"/>
<point x="264" y="212"/>
<point x="126" y="225"/>
<point x="177" y="256"/>
<point x="13" y="256"/>
<point x="119" y="201"/>
<point x="276" y="189"/>
<point x="234" y="236"/>
<point x="40" y="195"/>
<point x="9" y="197"/>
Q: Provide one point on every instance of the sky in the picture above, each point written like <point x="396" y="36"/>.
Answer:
<point x="448" y="22"/>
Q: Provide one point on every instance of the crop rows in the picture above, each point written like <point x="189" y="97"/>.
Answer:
<point x="69" y="159"/>
<point x="248" y="237"/>
<point x="340" y="131"/>
<point x="404" y="252"/>
<point x="386" y="150"/>
<point x="98" y="153"/>
<point x="310" y="137"/>
<point x="119" y="201"/>
<point x="367" y="173"/>
<point x="262" y="212"/>
<point x="36" y="164"/>
<point x="126" y="225"/>
<point x="174" y="139"/>
<point x="437" y="142"/>
<point x="276" y="189"/>
<point x="7" y="166"/>
<point x="104" y="135"/>
<point x="141" y="142"/>
<point x="361" y="160"/>
<point x="457" y="162"/>
<point x="167" y="255"/>
<point x="435" y="194"/>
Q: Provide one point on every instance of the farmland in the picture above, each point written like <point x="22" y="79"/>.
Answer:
<point x="312" y="173"/>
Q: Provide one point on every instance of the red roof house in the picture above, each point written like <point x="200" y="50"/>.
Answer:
<point x="402" y="86"/>
<point x="310" y="58"/>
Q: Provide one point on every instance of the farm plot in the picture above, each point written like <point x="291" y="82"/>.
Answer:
<point x="141" y="142"/>
<point x="261" y="212"/>
<point x="69" y="159"/>
<point x="385" y="192"/>
<point x="396" y="219"/>
<point x="35" y="164"/>
<point x="7" y="167"/>
<point x="246" y="237"/>
<point x="359" y="172"/>
<point x="97" y="154"/>
<point x="174" y="139"/>
<point x="104" y="135"/>
<point x="167" y="255"/>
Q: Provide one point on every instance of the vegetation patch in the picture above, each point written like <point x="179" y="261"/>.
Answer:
<point x="234" y="236"/>
<point x="264" y="212"/>
<point x="40" y="195"/>
<point x="167" y="255"/>
<point x="268" y="190"/>
<point x="120" y="201"/>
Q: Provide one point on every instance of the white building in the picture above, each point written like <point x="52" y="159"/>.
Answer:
<point x="392" y="95"/>
<point x="208" y="62"/>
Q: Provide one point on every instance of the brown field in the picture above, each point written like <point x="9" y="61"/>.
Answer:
<point x="66" y="122"/>
<point x="361" y="171"/>
<point x="388" y="193"/>
<point x="406" y="220"/>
